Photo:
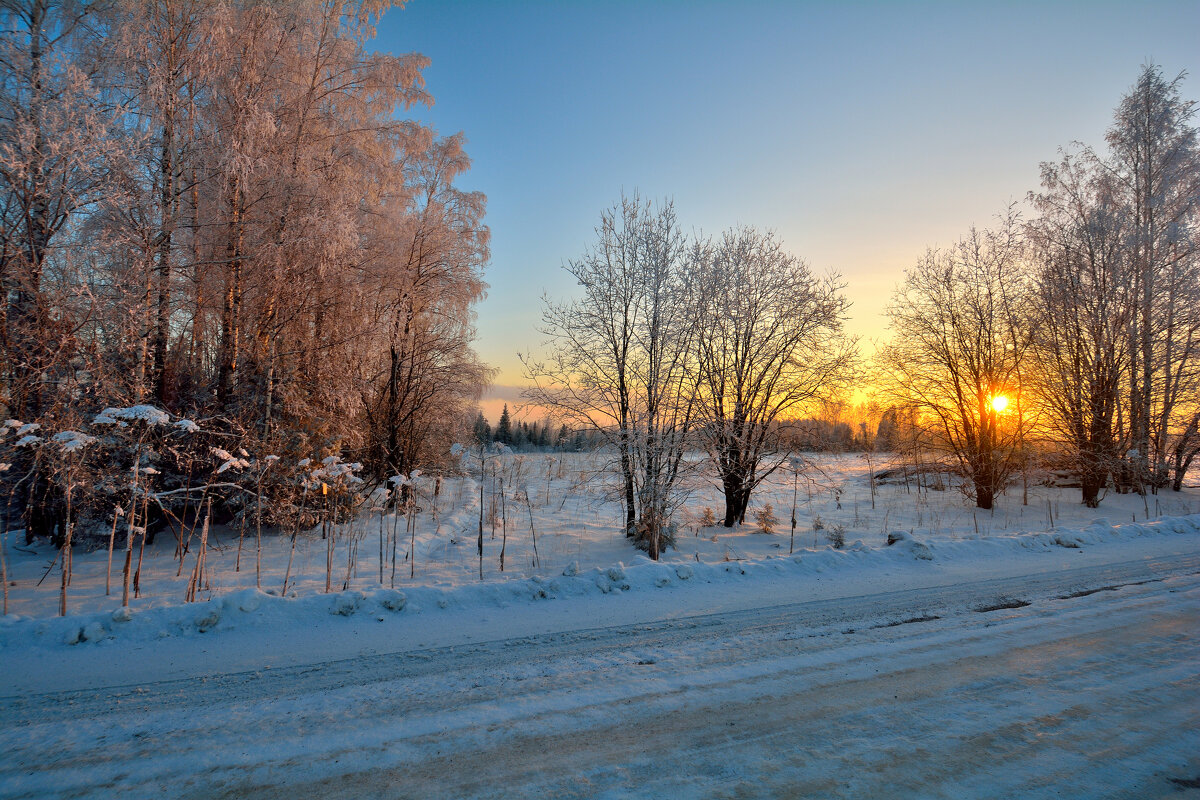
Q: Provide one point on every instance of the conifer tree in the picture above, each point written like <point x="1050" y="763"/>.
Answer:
<point x="504" y="432"/>
<point x="481" y="430"/>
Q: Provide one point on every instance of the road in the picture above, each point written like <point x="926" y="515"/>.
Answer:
<point x="1079" y="683"/>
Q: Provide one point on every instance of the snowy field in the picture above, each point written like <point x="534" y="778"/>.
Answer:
<point x="1017" y="659"/>
<point x="557" y="513"/>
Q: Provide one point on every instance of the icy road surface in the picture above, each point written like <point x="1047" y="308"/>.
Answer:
<point x="1092" y="689"/>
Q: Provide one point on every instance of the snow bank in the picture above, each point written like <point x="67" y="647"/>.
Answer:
<point x="251" y="607"/>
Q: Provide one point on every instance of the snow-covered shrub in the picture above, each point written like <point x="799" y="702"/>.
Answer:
<point x="346" y="603"/>
<point x="392" y="599"/>
<point x="207" y="619"/>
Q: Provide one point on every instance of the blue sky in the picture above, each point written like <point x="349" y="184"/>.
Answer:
<point x="861" y="132"/>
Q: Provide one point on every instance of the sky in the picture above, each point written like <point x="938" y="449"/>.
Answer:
<point x="861" y="133"/>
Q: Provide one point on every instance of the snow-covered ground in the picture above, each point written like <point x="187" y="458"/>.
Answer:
<point x="574" y="517"/>
<point x="901" y="679"/>
<point x="1022" y="660"/>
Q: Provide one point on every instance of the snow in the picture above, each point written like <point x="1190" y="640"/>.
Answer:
<point x="139" y="413"/>
<point x="975" y="655"/>
<point x="851" y="692"/>
<point x="335" y="470"/>
<point x="577" y="527"/>
<point x="72" y="441"/>
<point x="378" y="499"/>
<point x="253" y="608"/>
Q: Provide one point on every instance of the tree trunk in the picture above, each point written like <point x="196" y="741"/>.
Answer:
<point x="737" y="498"/>
<point x="195" y="354"/>
<point x="23" y="296"/>
<point x="230" y="310"/>
<point x="630" y="497"/>
<point x="1091" y="481"/>
<point x="985" y="494"/>
<point x="1186" y="450"/>
<point x="162" y="278"/>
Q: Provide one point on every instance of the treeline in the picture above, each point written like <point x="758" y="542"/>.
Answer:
<point x="1074" y="333"/>
<point x="523" y="435"/>
<point x="218" y="209"/>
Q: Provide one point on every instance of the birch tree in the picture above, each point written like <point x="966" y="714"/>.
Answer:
<point x="618" y="358"/>
<point x="221" y="207"/>
<point x="1155" y="166"/>
<point x="52" y="151"/>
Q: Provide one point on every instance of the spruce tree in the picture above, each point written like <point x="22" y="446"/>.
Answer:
<point x="504" y="432"/>
<point x="482" y="431"/>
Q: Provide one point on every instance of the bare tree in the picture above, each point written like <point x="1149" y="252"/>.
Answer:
<point x="956" y="348"/>
<point x="1084" y="285"/>
<point x="662" y="378"/>
<point x="618" y="357"/>
<point x="769" y="341"/>
<point x="587" y="375"/>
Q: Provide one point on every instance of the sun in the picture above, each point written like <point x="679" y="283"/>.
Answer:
<point x="999" y="403"/>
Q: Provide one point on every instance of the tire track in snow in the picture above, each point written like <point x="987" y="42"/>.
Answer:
<point x="518" y="716"/>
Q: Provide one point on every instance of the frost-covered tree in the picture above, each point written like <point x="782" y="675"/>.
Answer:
<point x="428" y="373"/>
<point x="53" y="151"/>
<point x="221" y="208"/>
<point x="1118" y="336"/>
<point x="768" y="342"/>
<point x="1154" y="165"/>
<point x="618" y="360"/>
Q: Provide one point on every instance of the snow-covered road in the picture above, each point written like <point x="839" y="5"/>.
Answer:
<point x="1090" y="690"/>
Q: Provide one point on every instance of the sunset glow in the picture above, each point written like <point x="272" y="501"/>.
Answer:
<point x="866" y="66"/>
<point x="999" y="403"/>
